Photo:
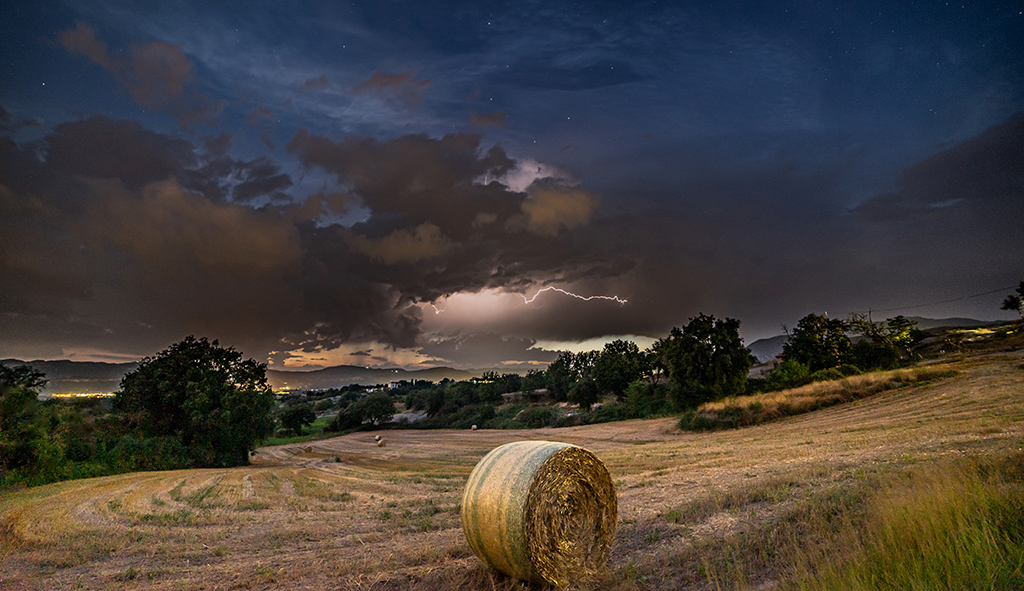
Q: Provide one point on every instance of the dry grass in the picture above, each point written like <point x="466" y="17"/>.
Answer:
<point x="744" y="411"/>
<point x="712" y="510"/>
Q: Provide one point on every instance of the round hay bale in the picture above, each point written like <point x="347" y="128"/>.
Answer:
<point x="376" y="437"/>
<point x="540" y="511"/>
<point x="309" y="449"/>
<point x="381" y="443"/>
<point x="473" y="427"/>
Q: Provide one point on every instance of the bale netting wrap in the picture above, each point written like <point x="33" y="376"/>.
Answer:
<point x="540" y="511"/>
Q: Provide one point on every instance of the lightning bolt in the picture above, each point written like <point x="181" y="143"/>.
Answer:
<point x="575" y="295"/>
<point x="438" y="310"/>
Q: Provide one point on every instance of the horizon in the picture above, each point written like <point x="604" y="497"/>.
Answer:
<point x="408" y="185"/>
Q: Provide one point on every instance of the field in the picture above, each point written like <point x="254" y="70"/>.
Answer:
<point x="758" y="507"/>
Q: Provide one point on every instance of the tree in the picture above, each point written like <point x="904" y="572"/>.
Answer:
<point x="297" y="416"/>
<point x="19" y="406"/>
<point x="585" y="393"/>
<point x="618" y="365"/>
<point x="1015" y="302"/>
<point x="377" y="408"/>
<point x="568" y="369"/>
<point x="884" y="344"/>
<point x="217" y="405"/>
<point x="818" y="342"/>
<point x="705" y="360"/>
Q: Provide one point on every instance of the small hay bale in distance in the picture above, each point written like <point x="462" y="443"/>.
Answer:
<point x="381" y="443"/>
<point x="541" y="511"/>
<point x="376" y="437"/>
<point x="309" y="449"/>
<point x="473" y="427"/>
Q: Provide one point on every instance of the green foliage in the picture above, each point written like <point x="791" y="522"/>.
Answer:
<point x="789" y="374"/>
<point x="21" y="430"/>
<point x="568" y="369"/>
<point x="216" y="404"/>
<point x="297" y="416"/>
<point x="619" y="364"/>
<point x="818" y="342"/>
<point x="585" y="393"/>
<point x="884" y="345"/>
<point x="378" y="408"/>
<point x="644" y="399"/>
<point x="704" y="361"/>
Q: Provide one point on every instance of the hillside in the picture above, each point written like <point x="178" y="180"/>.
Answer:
<point x="696" y="511"/>
<point x="343" y="375"/>
<point x="90" y="376"/>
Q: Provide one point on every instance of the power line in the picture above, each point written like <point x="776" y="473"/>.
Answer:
<point x="960" y="299"/>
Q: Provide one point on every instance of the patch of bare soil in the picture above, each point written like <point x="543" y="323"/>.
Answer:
<point x="351" y="515"/>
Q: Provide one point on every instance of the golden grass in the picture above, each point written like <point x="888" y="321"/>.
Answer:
<point x="743" y="411"/>
<point x="725" y="509"/>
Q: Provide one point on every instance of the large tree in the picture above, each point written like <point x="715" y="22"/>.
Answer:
<point x="217" y="405"/>
<point x="819" y="343"/>
<point x="704" y="360"/>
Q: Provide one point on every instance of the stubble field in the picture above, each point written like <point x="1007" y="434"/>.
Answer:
<point x="745" y="508"/>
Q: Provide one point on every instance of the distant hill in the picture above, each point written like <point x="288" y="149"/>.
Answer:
<point x="68" y="377"/>
<point x="343" y="375"/>
<point x="929" y="323"/>
<point x="767" y="349"/>
<point x="65" y="376"/>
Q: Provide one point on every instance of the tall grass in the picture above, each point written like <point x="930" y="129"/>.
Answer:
<point x="743" y="411"/>
<point x="957" y="526"/>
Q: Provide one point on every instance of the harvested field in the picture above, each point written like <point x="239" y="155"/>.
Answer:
<point x="347" y="514"/>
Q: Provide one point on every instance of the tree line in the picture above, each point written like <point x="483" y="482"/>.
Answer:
<point x="197" y="404"/>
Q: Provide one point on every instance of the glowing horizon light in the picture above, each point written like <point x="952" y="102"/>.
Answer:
<point x="613" y="298"/>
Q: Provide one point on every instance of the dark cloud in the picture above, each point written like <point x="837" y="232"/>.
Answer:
<point x="138" y="225"/>
<point x="100" y="147"/>
<point x="482" y="350"/>
<point x="259" y="177"/>
<point x="400" y="87"/>
<point x="492" y="119"/>
<point x="157" y="75"/>
<point x="989" y="167"/>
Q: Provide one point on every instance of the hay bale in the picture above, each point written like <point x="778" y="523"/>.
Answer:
<point x="541" y="511"/>
<point x="381" y="443"/>
<point x="473" y="427"/>
<point x="376" y="437"/>
<point x="309" y="449"/>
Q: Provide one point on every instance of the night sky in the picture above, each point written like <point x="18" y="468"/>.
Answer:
<point x="389" y="183"/>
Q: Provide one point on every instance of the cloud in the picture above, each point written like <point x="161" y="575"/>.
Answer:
<point x="314" y="84"/>
<point x="493" y="119"/>
<point x="988" y="167"/>
<point x="401" y="87"/>
<point x="488" y="350"/>
<point x="402" y="246"/>
<point x="548" y="210"/>
<point x="7" y="125"/>
<point x="173" y="232"/>
<point x="114" y="226"/>
<point x="156" y="75"/>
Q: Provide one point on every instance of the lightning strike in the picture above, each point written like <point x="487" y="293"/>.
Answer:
<point x="575" y="295"/>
